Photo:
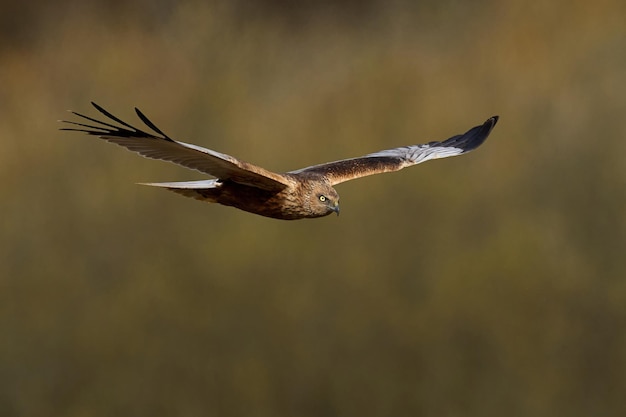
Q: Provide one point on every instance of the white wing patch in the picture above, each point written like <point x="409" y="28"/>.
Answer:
<point x="189" y="185"/>
<point x="419" y="153"/>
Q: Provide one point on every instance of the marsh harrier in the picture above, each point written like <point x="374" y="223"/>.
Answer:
<point x="303" y="193"/>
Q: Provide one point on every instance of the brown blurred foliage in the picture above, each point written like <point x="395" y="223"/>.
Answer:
<point x="487" y="285"/>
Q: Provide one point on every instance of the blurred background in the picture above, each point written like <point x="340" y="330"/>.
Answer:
<point x="487" y="285"/>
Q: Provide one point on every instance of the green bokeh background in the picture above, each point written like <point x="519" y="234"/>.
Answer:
<point x="488" y="285"/>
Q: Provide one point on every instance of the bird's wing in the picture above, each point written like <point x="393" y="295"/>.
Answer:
<point x="395" y="159"/>
<point x="160" y="146"/>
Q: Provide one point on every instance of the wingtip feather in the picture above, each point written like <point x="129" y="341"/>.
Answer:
<point x="150" y="124"/>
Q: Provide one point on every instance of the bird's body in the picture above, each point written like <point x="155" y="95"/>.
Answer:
<point x="289" y="203"/>
<point x="303" y="193"/>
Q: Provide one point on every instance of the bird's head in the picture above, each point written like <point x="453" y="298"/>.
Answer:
<point x="324" y="201"/>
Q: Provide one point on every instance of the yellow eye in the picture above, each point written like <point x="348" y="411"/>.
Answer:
<point x="322" y="198"/>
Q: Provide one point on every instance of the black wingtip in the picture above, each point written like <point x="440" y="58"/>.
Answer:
<point x="489" y="125"/>
<point x="474" y="137"/>
<point x="100" y="128"/>
<point x="98" y="107"/>
<point x="151" y="125"/>
<point x="477" y="135"/>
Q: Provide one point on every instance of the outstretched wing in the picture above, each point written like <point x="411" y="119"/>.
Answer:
<point x="161" y="146"/>
<point x="395" y="159"/>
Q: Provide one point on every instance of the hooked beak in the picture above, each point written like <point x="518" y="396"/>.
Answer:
<point x="335" y="208"/>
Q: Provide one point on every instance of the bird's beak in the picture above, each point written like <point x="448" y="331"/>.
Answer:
<point x="335" y="208"/>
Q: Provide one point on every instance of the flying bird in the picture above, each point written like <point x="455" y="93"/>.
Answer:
<point x="303" y="193"/>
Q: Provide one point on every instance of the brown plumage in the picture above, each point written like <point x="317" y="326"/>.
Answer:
<point x="304" y="193"/>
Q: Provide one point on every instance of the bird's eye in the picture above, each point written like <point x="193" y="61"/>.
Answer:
<point x="322" y="198"/>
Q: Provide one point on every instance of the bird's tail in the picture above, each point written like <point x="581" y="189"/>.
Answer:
<point x="206" y="190"/>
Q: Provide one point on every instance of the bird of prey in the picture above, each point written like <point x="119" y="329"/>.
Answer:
<point x="303" y="193"/>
